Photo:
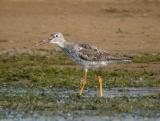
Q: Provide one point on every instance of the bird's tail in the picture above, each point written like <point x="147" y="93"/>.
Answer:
<point x="126" y="59"/>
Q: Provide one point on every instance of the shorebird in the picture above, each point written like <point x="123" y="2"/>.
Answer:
<point x="90" y="57"/>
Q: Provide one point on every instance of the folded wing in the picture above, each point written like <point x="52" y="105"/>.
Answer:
<point x="91" y="53"/>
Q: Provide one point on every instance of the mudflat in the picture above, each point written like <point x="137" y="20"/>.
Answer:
<point x="123" y="26"/>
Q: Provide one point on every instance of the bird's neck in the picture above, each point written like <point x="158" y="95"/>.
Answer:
<point x="61" y="43"/>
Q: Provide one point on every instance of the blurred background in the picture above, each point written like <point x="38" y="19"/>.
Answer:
<point x="126" y="25"/>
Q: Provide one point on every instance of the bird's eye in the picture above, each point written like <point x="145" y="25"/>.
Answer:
<point x="56" y="35"/>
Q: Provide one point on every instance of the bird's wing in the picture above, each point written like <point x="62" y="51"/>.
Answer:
<point x="92" y="53"/>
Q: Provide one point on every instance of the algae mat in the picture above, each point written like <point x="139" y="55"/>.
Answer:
<point x="44" y="85"/>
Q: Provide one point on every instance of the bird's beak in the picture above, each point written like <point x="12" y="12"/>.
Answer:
<point x="42" y="42"/>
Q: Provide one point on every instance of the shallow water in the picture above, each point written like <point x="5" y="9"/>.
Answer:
<point x="73" y="117"/>
<point x="63" y="95"/>
<point x="108" y="93"/>
<point x="82" y="118"/>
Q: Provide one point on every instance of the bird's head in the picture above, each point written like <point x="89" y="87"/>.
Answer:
<point x="55" y="38"/>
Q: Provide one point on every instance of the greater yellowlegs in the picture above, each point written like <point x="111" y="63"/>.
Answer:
<point x="86" y="55"/>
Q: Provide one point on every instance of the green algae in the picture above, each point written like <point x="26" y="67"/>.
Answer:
<point x="100" y="106"/>
<point x="146" y="58"/>
<point x="56" y="70"/>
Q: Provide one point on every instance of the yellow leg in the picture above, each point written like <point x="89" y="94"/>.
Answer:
<point x="82" y="86"/>
<point x="100" y="86"/>
<point x="83" y="83"/>
<point x="100" y="83"/>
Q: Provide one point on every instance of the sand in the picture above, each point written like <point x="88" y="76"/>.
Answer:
<point x="117" y="26"/>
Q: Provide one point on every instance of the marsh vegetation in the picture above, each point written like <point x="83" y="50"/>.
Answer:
<point x="47" y="82"/>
